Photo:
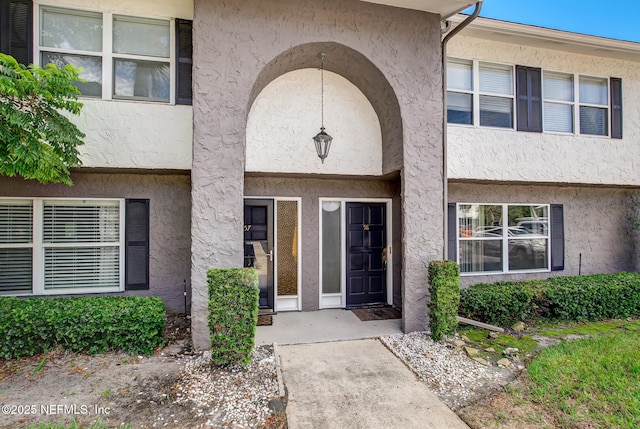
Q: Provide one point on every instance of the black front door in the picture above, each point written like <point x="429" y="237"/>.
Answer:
<point x="258" y="247"/>
<point x="366" y="241"/>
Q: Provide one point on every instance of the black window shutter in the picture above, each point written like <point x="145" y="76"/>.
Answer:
<point x="452" y="249"/>
<point x="136" y="244"/>
<point x="557" y="237"/>
<point x="16" y="29"/>
<point x="184" y="61"/>
<point x="529" y="98"/>
<point x="616" y="108"/>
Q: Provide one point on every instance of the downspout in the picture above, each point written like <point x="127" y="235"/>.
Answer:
<point x="445" y="198"/>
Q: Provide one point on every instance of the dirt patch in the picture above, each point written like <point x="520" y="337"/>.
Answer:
<point x="115" y="388"/>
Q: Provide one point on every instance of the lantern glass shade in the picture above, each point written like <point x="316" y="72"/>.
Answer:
<point x="323" y="144"/>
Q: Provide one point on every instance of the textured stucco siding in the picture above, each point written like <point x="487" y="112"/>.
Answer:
<point x="509" y="155"/>
<point x="598" y="224"/>
<point x="169" y="223"/>
<point x="155" y="9"/>
<point x="311" y="190"/>
<point x="124" y="134"/>
<point x="287" y="114"/>
<point x="241" y="46"/>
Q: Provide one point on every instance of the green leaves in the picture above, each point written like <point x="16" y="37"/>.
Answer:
<point x="233" y="314"/>
<point x="37" y="141"/>
<point x="444" y="288"/>
<point x="91" y="324"/>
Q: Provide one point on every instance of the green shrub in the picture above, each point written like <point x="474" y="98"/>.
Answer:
<point x="92" y="324"/>
<point x="502" y="303"/>
<point x="593" y="297"/>
<point x="233" y="314"/>
<point x="444" y="287"/>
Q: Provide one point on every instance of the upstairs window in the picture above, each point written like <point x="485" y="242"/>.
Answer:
<point x="594" y="102"/>
<point x="121" y="57"/>
<point x="480" y="93"/>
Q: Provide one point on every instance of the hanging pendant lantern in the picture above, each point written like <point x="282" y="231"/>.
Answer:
<point x="322" y="140"/>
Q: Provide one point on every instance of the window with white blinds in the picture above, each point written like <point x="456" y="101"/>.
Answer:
<point x="81" y="243"/>
<point x="558" y="102"/>
<point x="480" y="93"/>
<point x="61" y="246"/>
<point x="594" y="102"/>
<point x="16" y="246"/>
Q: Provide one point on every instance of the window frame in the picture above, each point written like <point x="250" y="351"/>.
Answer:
<point x="39" y="246"/>
<point x="107" y="54"/>
<point x="504" y="239"/>
<point x="476" y="93"/>
<point x="576" y="104"/>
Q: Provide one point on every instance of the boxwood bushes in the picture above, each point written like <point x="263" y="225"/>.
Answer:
<point x="92" y="324"/>
<point x="233" y="314"/>
<point x="594" y="297"/>
<point x="444" y="288"/>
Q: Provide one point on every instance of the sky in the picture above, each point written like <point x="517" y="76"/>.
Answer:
<point x="616" y="19"/>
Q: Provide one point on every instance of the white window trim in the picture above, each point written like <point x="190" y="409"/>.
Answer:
<point x="576" y="104"/>
<point x="339" y="300"/>
<point x="107" y="54"/>
<point x="476" y="93"/>
<point x="39" y="248"/>
<point x="505" y="240"/>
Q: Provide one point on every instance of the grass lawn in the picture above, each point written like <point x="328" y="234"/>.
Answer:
<point x="592" y="382"/>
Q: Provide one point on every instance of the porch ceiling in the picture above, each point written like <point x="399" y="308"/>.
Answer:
<point x="444" y="8"/>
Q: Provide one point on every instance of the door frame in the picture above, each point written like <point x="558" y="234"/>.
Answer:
<point x="339" y="300"/>
<point x="288" y="302"/>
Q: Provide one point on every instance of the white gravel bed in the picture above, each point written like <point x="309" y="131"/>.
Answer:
<point x="234" y="397"/>
<point x="457" y="380"/>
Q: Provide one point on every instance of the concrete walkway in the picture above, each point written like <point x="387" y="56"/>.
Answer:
<point x="320" y="326"/>
<point x="357" y="384"/>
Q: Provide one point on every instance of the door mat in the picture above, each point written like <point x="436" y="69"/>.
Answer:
<point x="380" y="313"/>
<point x="265" y="320"/>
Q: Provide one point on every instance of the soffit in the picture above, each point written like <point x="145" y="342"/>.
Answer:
<point x="444" y="8"/>
<point x="540" y="37"/>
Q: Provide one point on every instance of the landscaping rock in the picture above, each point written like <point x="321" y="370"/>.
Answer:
<point x="519" y="327"/>
<point x="490" y="350"/>
<point x="459" y="344"/>
<point x="465" y="338"/>
<point x="511" y="352"/>
<point x="504" y="362"/>
<point x="493" y="335"/>
<point x="481" y="361"/>
<point x="471" y="352"/>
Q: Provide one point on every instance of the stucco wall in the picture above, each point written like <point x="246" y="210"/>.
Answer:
<point x="169" y="241"/>
<point x="125" y="134"/>
<point x="311" y="190"/>
<point x="597" y="224"/>
<point x="134" y="134"/>
<point x="234" y="40"/>
<point x="287" y="114"/>
<point x="508" y="155"/>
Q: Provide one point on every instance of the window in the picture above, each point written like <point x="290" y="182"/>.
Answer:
<point x="490" y="88"/>
<point x="482" y="93"/>
<point x="16" y="29"/>
<point x="558" y="102"/>
<point x="121" y="57"/>
<point x="55" y="246"/>
<point x="495" y="238"/>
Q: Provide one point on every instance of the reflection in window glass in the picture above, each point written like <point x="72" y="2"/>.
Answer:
<point x="91" y="71"/>
<point x="134" y="78"/>
<point x="331" y="247"/>
<point x="71" y="29"/>
<point x="138" y="36"/>
<point x="483" y="240"/>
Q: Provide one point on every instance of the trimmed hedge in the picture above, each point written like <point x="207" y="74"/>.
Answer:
<point x="233" y="314"/>
<point x="594" y="297"/>
<point x="92" y="324"/>
<point x="444" y="287"/>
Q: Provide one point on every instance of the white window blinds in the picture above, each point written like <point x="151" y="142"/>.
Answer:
<point x="16" y="242"/>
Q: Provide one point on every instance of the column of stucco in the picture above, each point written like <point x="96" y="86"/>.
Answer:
<point x="422" y="175"/>
<point x="233" y="41"/>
